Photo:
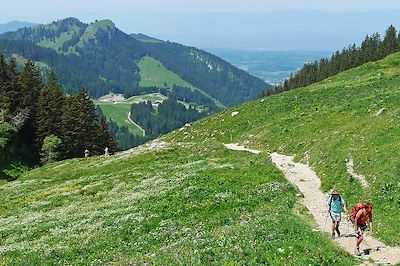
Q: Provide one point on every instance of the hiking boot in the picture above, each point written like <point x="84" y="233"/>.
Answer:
<point x="333" y="235"/>
<point x="338" y="232"/>
<point x="358" y="253"/>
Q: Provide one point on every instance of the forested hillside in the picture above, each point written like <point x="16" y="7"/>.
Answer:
<point x="39" y="124"/>
<point x="101" y="58"/>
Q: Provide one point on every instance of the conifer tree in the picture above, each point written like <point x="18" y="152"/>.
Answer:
<point x="49" y="110"/>
<point x="104" y="138"/>
<point x="87" y="115"/>
<point x="390" y="41"/>
<point x="72" y="129"/>
<point x="30" y="84"/>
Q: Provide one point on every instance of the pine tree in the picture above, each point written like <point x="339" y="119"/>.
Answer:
<point x="30" y="84"/>
<point x="49" y="110"/>
<point x="104" y="138"/>
<point x="72" y="129"/>
<point x="87" y="115"/>
<point x="390" y="42"/>
<point x="10" y="91"/>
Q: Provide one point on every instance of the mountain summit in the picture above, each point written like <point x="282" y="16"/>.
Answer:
<point x="104" y="59"/>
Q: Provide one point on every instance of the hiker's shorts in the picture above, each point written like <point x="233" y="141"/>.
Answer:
<point x="363" y="227"/>
<point x="336" y="217"/>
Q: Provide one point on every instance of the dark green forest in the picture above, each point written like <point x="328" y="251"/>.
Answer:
<point x="39" y="124"/>
<point x="373" y="48"/>
<point x="156" y="121"/>
<point x="124" y="138"/>
<point x="190" y="96"/>
<point x="169" y="115"/>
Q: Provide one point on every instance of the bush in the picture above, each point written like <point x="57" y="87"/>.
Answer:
<point x="50" y="148"/>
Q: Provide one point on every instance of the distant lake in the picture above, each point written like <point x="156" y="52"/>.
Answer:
<point x="271" y="66"/>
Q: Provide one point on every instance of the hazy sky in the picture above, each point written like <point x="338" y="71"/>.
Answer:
<point x="315" y="24"/>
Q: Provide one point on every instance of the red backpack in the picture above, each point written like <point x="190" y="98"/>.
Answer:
<point x="355" y="210"/>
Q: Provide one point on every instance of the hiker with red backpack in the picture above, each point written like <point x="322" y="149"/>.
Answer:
<point x="360" y="215"/>
<point x="336" y="205"/>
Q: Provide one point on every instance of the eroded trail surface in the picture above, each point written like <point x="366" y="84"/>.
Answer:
<point x="309" y="184"/>
<point x="302" y="176"/>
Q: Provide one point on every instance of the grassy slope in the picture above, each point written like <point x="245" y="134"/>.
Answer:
<point x="200" y="203"/>
<point x="154" y="74"/>
<point x="93" y="28"/>
<point x="58" y="42"/>
<point x="193" y="204"/>
<point x="332" y="121"/>
<point x="119" y="114"/>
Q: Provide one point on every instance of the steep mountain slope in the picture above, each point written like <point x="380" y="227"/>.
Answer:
<point x="188" y="199"/>
<point x="164" y="204"/>
<point x="102" y="58"/>
<point x="329" y="124"/>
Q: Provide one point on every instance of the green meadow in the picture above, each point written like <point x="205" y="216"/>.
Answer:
<point x="187" y="200"/>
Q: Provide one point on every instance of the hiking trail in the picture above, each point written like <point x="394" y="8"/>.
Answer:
<point x="309" y="184"/>
<point x="350" y="170"/>
<point x="130" y="120"/>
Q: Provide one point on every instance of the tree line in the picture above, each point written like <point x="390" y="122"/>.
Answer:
<point x="169" y="116"/>
<point x="373" y="48"/>
<point x="124" y="138"/>
<point x="188" y="95"/>
<point x="39" y="124"/>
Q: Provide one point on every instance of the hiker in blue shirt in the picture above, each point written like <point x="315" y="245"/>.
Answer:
<point x="336" y="205"/>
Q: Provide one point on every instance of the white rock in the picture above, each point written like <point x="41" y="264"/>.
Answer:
<point x="234" y="113"/>
<point x="380" y="112"/>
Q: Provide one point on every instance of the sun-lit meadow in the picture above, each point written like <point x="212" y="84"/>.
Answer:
<point x="328" y="123"/>
<point x="187" y="203"/>
<point x="192" y="201"/>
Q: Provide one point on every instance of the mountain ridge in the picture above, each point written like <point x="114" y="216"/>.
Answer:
<point x="108" y="59"/>
<point x="15" y="25"/>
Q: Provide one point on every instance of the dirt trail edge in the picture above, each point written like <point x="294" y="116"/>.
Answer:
<point x="302" y="176"/>
<point x="309" y="184"/>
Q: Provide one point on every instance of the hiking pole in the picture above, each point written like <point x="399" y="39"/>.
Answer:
<point x="348" y="226"/>
<point x="326" y="220"/>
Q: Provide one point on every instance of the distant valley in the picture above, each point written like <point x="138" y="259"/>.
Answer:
<point x="271" y="66"/>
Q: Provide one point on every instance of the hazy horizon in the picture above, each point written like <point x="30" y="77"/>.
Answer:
<point x="269" y="25"/>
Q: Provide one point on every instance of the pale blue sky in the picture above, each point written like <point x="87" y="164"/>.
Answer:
<point x="281" y="24"/>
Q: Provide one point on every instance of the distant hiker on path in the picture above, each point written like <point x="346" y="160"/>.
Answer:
<point x="360" y="215"/>
<point x="336" y="205"/>
<point x="106" y="153"/>
<point x="86" y="153"/>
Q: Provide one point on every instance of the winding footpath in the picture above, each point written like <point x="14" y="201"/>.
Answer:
<point x="130" y="120"/>
<point x="309" y="184"/>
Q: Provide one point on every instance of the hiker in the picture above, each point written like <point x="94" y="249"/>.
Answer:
<point x="86" y="153"/>
<point x="106" y="153"/>
<point x="360" y="215"/>
<point x="336" y="205"/>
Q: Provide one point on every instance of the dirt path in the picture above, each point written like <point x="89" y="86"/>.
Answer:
<point x="350" y="170"/>
<point x="309" y="184"/>
<point x="236" y="147"/>
<point x="130" y="120"/>
<point x="302" y="176"/>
